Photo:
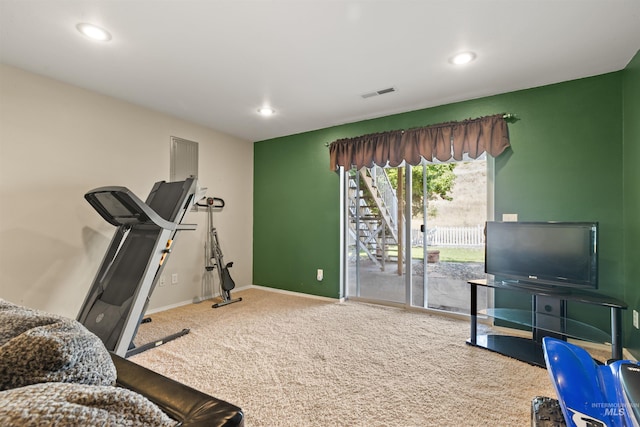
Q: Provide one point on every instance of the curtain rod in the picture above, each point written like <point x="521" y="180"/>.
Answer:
<point x="508" y="117"/>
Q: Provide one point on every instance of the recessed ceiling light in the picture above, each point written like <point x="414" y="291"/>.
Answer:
<point x="266" y="111"/>
<point x="462" y="58"/>
<point x="94" y="32"/>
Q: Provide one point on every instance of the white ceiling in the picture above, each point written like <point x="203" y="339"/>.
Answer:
<point x="216" y="62"/>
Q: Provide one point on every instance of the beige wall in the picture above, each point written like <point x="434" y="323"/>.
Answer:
<point x="58" y="141"/>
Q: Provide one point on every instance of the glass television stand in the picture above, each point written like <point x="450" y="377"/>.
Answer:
<point x="547" y="318"/>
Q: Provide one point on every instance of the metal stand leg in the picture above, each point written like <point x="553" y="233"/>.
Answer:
<point x="616" y="333"/>
<point x="474" y="315"/>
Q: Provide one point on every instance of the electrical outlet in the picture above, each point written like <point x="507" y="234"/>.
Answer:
<point x="174" y="279"/>
<point x="510" y="217"/>
<point x="635" y="319"/>
<point x="320" y="275"/>
<point x="162" y="281"/>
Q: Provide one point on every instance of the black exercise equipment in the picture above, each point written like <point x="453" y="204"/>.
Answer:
<point x="213" y="257"/>
<point x="119" y="295"/>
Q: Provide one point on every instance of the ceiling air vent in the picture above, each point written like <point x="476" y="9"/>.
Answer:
<point x="379" y="92"/>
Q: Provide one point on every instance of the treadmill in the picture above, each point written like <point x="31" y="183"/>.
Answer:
<point x="119" y="295"/>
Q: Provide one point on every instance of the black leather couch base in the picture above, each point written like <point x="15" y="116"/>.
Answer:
<point x="188" y="406"/>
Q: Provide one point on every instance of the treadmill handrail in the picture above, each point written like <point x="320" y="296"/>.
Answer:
<point x="140" y="212"/>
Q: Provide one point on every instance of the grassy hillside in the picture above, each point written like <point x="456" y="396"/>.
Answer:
<point x="469" y="204"/>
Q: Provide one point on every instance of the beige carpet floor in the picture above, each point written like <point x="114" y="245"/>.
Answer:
<point x="295" y="361"/>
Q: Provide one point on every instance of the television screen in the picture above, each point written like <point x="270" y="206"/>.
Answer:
<point x="547" y="253"/>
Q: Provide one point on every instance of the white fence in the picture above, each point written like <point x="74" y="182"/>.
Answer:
<point x="451" y="236"/>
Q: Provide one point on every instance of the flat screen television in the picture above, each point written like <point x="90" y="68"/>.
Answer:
<point x="556" y="254"/>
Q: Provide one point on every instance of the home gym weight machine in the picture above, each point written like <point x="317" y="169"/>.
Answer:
<point x="119" y="295"/>
<point x="213" y="258"/>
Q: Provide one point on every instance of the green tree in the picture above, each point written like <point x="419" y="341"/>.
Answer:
<point x="440" y="181"/>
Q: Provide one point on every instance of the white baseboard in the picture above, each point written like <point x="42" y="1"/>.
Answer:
<point x="168" y="307"/>
<point x="195" y="300"/>
<point x="297" y="294"/>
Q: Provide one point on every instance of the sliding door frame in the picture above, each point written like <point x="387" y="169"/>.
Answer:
<point x="344" y="242"/>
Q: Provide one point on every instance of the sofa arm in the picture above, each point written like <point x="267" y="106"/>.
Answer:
<point x="187" y="405"/>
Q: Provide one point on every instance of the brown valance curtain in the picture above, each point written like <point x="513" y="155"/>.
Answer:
<point x="442" y="142"/>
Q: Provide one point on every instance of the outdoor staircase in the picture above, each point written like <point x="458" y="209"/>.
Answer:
<point x="373" y="213"/>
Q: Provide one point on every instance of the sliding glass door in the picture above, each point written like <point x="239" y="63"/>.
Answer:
<point x="454" y="210"/>
<point x="415" y="234"/>
<point x="375" y="249"/>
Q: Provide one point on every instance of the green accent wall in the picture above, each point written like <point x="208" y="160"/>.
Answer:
<point x="296" y="215"/>
<point x="631" y="194"/>
<point x="565" y="164"/>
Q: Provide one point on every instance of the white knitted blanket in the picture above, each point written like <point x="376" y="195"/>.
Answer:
<point x="53" y="371"/>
